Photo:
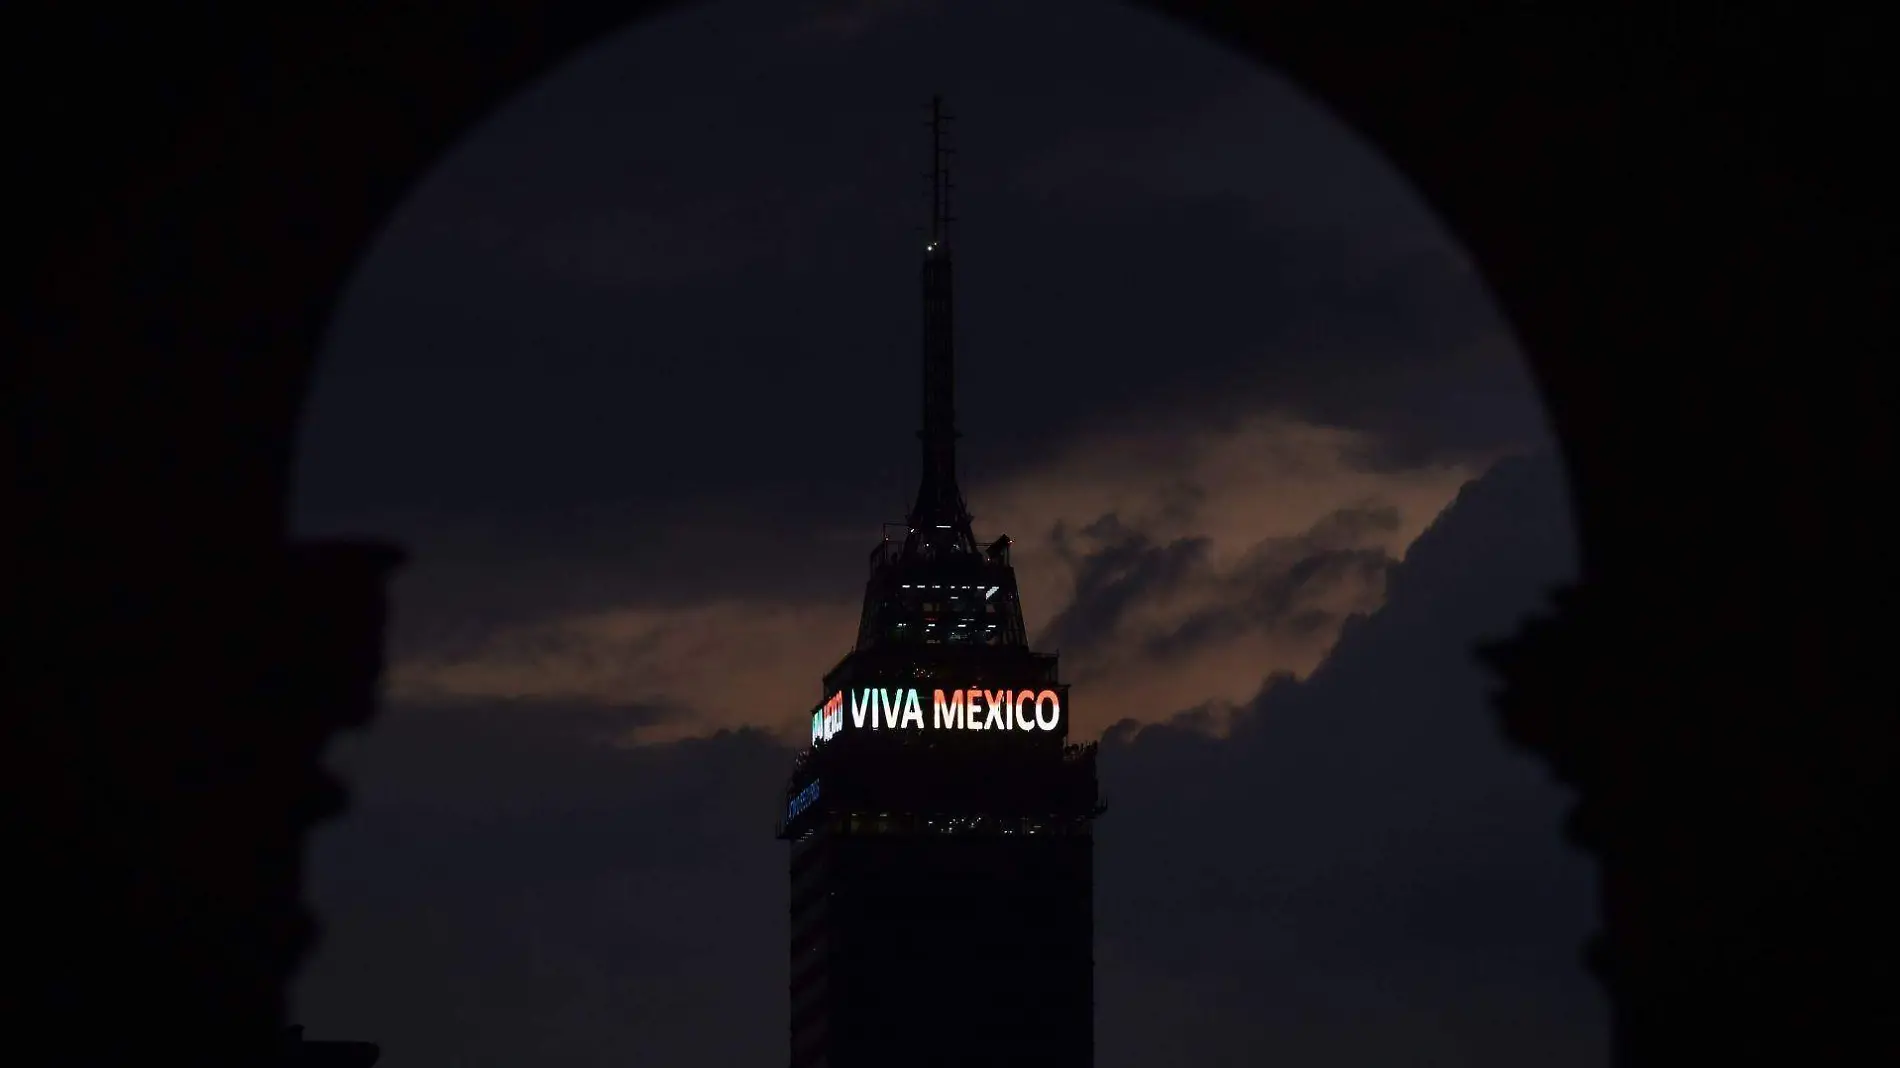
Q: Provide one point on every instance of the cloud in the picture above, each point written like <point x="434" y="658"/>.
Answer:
<point x="1360" y="869"/>
<point x="593" y="904"/>
<point x="1278" y="584"/>
<point x="1171" y="566"/>
<point x="724" y="664"/>
<point x="1175" y="566"/>
<point x="1355" y="870"/>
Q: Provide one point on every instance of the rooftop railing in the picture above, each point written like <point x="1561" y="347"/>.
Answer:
<point x="887" y="551"/>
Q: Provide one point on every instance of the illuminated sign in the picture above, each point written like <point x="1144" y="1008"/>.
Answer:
<point x="829" y="719"/>
<point x="971" y="710"/>
<point x="801" y="801"/>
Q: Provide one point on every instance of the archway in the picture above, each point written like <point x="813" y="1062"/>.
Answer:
<point x="1259" y="371"/>
<point x="1619" y="208"/>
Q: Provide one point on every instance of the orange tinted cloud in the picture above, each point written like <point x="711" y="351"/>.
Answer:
<point x="722" y="664"/>
<point x="1259" y="500"/>
<point x="1179" y="567"/>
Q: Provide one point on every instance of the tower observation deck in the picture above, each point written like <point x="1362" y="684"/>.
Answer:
<point x="941" y="822"/>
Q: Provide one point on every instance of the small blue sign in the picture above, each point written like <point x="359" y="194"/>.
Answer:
<point x="802" y="801"/>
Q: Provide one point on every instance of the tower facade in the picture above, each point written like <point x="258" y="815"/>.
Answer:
<point x="942" y="856"/>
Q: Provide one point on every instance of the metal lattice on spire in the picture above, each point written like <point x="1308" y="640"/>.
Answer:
<point x="940" y="186"/>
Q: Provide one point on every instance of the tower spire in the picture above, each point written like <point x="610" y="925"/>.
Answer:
<point x="940" y="522"/>
<point x="940" y="218"/>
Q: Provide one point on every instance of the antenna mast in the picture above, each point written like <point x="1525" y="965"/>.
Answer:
<point x="940" y="217"/>
<point x="940" y="522"/>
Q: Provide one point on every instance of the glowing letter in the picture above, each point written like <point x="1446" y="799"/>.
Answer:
<point x="950" y="715"/>
<point x="912" y="710"/>
<point x="1023" y="722"/>
<point x="861" y="702"/>
<point x="817" y="728"/>
<point x="1055" y="709"/>
<point x="998" y="718"/>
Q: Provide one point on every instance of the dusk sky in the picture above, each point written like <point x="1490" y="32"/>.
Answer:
<point x="633" y="376"/>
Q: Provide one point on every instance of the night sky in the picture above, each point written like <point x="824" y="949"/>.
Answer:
<point x="633" y="374"/>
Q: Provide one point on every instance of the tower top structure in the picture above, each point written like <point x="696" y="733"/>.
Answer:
<point x="935" y="584"/>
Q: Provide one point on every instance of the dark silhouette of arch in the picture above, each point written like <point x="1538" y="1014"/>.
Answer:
<point x="1684" y="220"/>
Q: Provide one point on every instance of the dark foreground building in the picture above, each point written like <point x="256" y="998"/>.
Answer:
<point x="942" y="858"/>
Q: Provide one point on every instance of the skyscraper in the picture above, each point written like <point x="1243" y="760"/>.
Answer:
<point x="942" y="882"/>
